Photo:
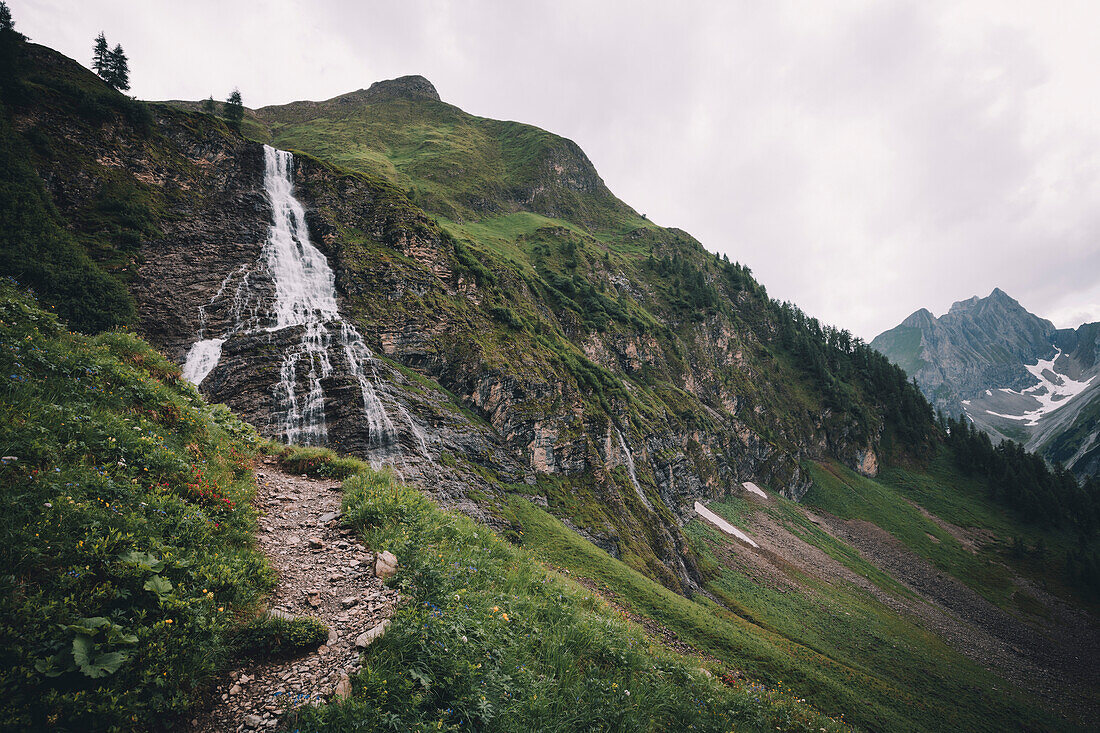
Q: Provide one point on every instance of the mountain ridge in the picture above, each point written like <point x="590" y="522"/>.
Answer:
<point x="984" y="357"/>
<point x="577" y="379"/>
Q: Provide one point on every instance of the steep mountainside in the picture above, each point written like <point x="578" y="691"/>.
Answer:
<point x="1011" y="372"/>
<point x="463" y="303"/>
<point x="526" y="328"/>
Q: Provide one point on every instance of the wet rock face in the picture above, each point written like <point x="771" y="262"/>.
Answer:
<point x="508" y="417"/>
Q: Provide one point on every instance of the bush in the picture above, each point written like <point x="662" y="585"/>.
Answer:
<point x="127" y="538"/>
<point x="277" y="636"/>
<point x="318" y="462"/>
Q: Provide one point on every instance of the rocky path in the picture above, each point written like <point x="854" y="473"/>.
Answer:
<point x="323" y="572"/>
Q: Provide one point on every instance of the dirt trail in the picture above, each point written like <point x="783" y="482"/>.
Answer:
<point x="323" y="572"/>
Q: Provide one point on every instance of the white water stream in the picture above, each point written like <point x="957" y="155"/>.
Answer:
<point x="305" y="299"/>
<point x="629" y="460"/>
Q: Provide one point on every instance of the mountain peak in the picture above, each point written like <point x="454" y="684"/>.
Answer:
<point x="411" y="86"/>
<point x="998" y="297"/>
<point x="964" y="305"/>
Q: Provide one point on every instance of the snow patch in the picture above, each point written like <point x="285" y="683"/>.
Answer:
<point x="754" y="489"/>
<point x="1052" y="392"/>
<point x="1006" y="417"/>
<point x="722" y="524"/>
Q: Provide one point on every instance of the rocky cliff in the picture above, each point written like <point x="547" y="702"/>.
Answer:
<point x="530" y="332"/>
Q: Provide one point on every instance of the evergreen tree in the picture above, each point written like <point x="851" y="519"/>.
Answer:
<point x="101" y="56"/>
<point x="209" y="106"/>
<point x="9" y="54"/>
<point x="234" y="110"/>
<point x="118" y="70"/>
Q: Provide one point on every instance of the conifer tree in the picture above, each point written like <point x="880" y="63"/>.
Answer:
<point x="209" y="106"/>
<point x="101" y="56"/>
<point x="9" y="54"/>
<point x="234" y="110"/>
<point x="118" y="70"/>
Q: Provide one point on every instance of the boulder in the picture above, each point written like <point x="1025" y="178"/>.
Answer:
<point x="385" y="565"/>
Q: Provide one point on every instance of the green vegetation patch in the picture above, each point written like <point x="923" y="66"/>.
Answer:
<point x="489" y="640"/>
<point x="846" y="494"/>
<point x="127" y="536"/>
<point x="271" y="637"/>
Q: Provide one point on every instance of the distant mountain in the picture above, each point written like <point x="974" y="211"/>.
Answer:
<point x="1014" y="374"/>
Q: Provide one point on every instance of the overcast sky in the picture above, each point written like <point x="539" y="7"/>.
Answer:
<point x="865" y="159"/>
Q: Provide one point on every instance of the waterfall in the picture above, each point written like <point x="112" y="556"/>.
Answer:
<point x="629" y="458"/>
<point x="201" y="360"/>
<point x="305" y="300"/>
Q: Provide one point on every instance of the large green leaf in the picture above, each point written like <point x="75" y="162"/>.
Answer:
<point x="83" y="648"/>
<point x="89" y="626"/>
<point x="95" y="665"/>
<point x="159" y="585"/>
<point x="146" y="560"/>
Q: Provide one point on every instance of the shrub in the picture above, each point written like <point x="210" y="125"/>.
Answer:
<point x="126" y="541"/>
<point x="318" y="462"/>
<point x="273" y="636"/>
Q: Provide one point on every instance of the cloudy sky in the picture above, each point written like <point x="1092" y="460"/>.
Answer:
<point x="865" y="159"/>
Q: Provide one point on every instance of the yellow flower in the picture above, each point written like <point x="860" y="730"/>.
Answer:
<point x="168" y="621"/>
<point x="504" y="616"/>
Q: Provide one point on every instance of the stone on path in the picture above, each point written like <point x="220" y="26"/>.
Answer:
<point x="364" y="640"/>
<point x="343" y="687"/>
<point x="385" y="565"/>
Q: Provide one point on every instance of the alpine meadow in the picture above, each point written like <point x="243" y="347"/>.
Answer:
<point x="371" y="413"/>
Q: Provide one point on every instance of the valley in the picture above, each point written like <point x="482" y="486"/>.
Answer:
<point x="622" y="486"/>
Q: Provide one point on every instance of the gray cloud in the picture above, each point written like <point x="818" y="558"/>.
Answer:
<point x="865" y="159"/>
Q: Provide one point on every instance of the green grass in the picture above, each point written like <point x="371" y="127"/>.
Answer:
<point x="452" y="163"/>
<point x="738" y="511"/>
<point x="844" y="623"/>
<point x="127" y="535"/>
<point x="848" y="495"/>
<point x="490" y="640"/>
<point x="835" y="646"/>
<point x="274" y="637"/>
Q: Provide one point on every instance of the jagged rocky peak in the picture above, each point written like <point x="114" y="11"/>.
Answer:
<point x="920" y="318"/>
<point x="997" y="301"/>
<point x="413" y="86"/>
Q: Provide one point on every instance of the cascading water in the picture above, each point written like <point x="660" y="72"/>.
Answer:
<point x="305" y="299"/>
<point x="629" y="459"/>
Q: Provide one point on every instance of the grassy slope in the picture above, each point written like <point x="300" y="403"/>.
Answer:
<point x="127" y="530"/>
<point x="833" y="644"/>
<point x="489" y="639"/>
<point x="943" y="491"/>
<point x="902" y="346"/>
